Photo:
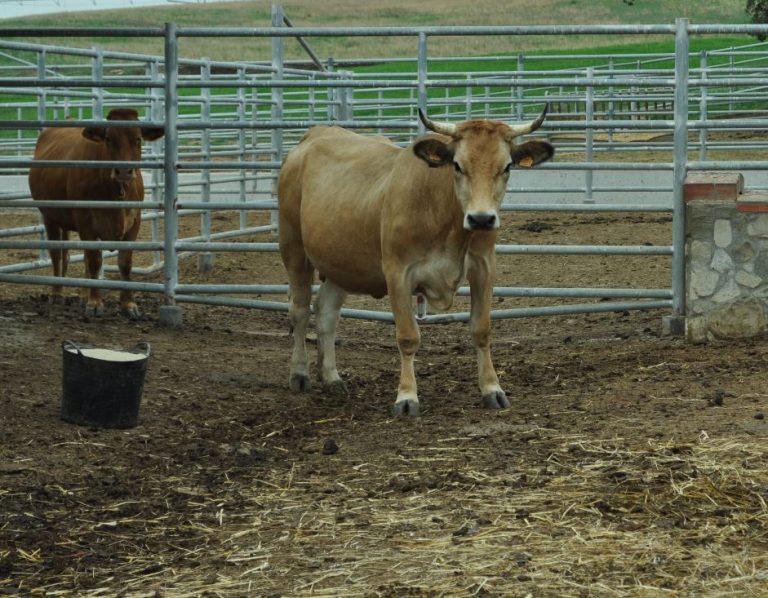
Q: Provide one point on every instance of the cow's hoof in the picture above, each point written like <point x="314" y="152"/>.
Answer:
<point x="299" y="383"/>
<point x="406" y="407"/>
<point x="131" y="312"/>
<point x="495" y="400"/>
<point x="336" y="388"/>
<point x="93" y="310"/>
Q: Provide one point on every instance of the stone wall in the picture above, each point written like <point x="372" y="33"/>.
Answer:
<point x="726" y="258"/>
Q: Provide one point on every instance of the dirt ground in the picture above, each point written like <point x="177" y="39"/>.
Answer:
<point x="630" y="463"/>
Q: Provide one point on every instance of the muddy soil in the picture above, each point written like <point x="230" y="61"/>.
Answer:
<point x="231" y="485"/>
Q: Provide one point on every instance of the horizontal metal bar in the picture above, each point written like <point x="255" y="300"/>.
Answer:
<point x="429" y="31"/>
<point x="597" y="293"/>
<point x="585" y="249"/>
<point x="226" y="205"/>
<point x="78" y="245"/>
<point x="105" y="204"/>
<point x="582" y="207"/>
<point x="15" y="163"/>
<point x="63" y="124"/>
<point x="152" y="287"/>
<point x="201" y="246"/>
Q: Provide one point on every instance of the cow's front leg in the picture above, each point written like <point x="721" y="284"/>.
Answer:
<point x="481" y="273"/>
<point x="94" y="305"/>
<point x="408" y="339"/>
<point x="128" y="306"/>
<point x="330" y="298"/>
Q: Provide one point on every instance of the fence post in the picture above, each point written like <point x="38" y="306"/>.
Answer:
<point x="422" y="75"/>
<point x="156" y="114"/>
<point x="589" y="136"/>
<point x="241" y="146"/>
<point x="703" y="106"/>
<point x="170" y="313"/>
<point x="97" y="73"/>
<point x="520" y="91"/>
<point x="675" y="323"/>
<point x="278" y="55"/>
<point x="205" y="259"/>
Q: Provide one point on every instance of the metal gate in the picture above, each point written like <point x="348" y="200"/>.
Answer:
<point x="269" y="105"/>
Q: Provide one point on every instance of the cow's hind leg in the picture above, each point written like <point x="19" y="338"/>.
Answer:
<point x="330" y="298"/>
<point x="59" y="259"/>
<point x="300" y="277"/>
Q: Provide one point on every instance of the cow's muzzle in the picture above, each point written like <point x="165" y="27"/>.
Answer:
<point x="481" y="221"/>
<point x="123" y="175"/>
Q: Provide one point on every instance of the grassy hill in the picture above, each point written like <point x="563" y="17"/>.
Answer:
<point x="325" y="13"/>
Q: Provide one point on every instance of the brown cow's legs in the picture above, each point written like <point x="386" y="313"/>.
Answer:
<point x="480" y="273"/>
<point x="93" y="259"/>
<point x="59" y="259"/>
<point x="328" y="307"/>
<point x="128" y="306"/>
<point x="408" y="340"/>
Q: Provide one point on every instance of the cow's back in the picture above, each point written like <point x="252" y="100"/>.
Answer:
<point x="332" y="186"/>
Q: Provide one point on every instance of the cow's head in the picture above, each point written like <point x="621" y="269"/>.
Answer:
<point x="122" y="144"/>
<point x="482" y="153"/>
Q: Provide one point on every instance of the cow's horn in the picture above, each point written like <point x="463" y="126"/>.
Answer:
<point x="517" y="130"/>
<point x="443" y="128"/>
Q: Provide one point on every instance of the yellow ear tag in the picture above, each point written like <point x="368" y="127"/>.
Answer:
<point x="526" y="162"/>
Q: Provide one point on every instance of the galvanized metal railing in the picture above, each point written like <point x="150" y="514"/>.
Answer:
<point x="282" y="102"/>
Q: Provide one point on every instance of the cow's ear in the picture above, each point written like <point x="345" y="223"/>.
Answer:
<point x="97" y="134"/>
<point x="434" y="152"/>
<point x="531" y="153"/>
<point x="153" y="133"/>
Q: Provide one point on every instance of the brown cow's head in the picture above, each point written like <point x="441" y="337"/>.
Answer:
<point x="122" y="144"/>
<point x="482" y="153"/>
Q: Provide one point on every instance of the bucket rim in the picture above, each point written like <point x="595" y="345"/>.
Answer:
<point x="70" y="346"/>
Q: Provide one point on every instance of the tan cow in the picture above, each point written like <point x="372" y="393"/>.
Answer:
<point x="376" y="219"/>
<point x="108" y="184"/>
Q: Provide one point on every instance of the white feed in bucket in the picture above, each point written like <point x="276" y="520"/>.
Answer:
<point x="107" y="354"/>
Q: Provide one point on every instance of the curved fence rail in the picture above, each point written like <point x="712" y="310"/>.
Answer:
<point x="229" y="124"/>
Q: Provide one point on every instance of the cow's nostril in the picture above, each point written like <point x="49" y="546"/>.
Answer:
<point x="481" y="221"/>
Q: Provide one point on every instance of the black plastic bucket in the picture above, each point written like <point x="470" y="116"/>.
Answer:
<point x="103" y="387"/>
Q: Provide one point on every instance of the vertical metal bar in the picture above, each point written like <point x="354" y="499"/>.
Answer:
<point x="205" y="259"/>
<point x="170" y="313"/>
<point x="40" y="117"/>
<point x="242" y="150"/>
<point x="97" y="73"/>
<point x="278" y="56"/>
<point x="519" y="92"/>
<point x="155" y="114"/>
<point x="680" y="166"/>
<point x="703" y="107"/>
<point x="611" y="105"/>
<point x="589" y="136"/>
<point x="422" y="78"/>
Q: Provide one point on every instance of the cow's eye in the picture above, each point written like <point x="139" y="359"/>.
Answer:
<point x="457" y="168"/>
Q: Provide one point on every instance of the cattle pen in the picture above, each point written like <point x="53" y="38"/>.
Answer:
<point x="230" y="124"/>
<point x="629" y="463"/>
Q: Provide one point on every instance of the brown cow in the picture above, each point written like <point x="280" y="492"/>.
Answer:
<point x="376" y="219"/>
<point x="108" y="184"/>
